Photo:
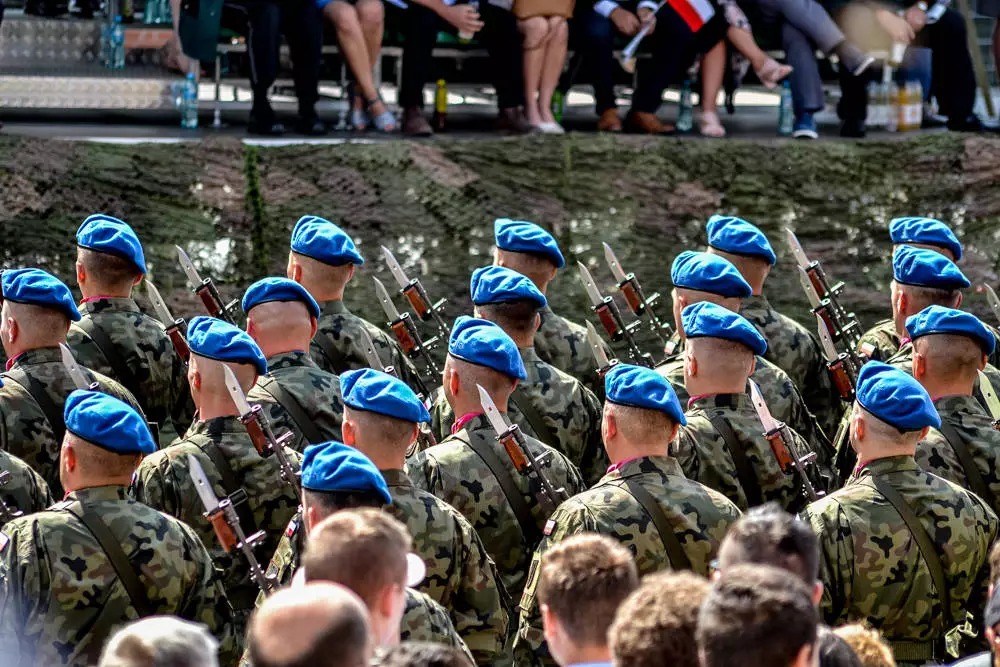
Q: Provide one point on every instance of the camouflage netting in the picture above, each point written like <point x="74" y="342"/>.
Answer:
<point x="433" y="203"/>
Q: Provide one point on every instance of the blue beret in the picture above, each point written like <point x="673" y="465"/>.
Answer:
<point x="926" y="231"/>
<point x="38" y="288"/>
<point x="521" y="236"/>
<point x="112" y="236"/>
<point x="495" y="284"/>
<point x="941" y="320"/>
<point x="278" y="289"/>
<point x="706" y="319"/>
<point x="735" y="235"/>
<point x="925" y="268"/>
<point x="107" y="422"/>
<point x="215" y="339"/>
<point x="324" y="241"/>
<point x="708" y="273"/>
<point x="485" y="344"/>
<point x="333" y="466"/>
<point x="895" y="397"/>
<point x="640" y="387"/>
<point x="375" y="391"/>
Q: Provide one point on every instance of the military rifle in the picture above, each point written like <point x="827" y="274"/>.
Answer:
<point x="637" y="301"/>
<point x="843" y="366"/>
<point x="405" y="331"/>
<point x="994" y="301"/>
<point x="603" y="363"/>
<point x="990" y="395"/>
<point x="206" y="290"/>
<point x="7" y="513"/>
<point x="80" y="380"/>
<point x="174" y="327"/>
<point x="414" y="291"/>
<point x="611" y="318"/>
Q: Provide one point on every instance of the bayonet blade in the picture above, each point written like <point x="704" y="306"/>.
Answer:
<point x="990" y="394"/>
<point x="593" y="293"/>
<point x="613" y="263"/>
<point x="489" y="407"/>
<point x="826" y="340"/>
<point x="808" y="288"/>
<point x="763" y="413"/>
<point x="383" y="298"/>
<point x="800" y="254"/>
<point x="75" y="373"/>
<point x="994" y="300"/>
<point x="236" y="392"/>
<point x="395" y="268"/>
<point x="188" y="267"/>
<point x="159" y="305"/>
<point x="596" y="345"/>
<point x="370" y="354"/>
<point x="202" y="485"/>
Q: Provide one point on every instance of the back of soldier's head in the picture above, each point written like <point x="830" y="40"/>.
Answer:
<point x="867" y="644"/>
<point x="949" y="357"/>
<point x="319" y="275"/>
<point x="721" y="359"/>
<point x="327" y="503"/>
<point x="105" y="271"/>
<point x="518" y="318"/>
<point x="37" y="326"/>
<point x="423" y="654"/>
<point x="640" y="426"/>
<point x="95" y="463"/>
<point x="275" y="322"/>
<point x="655" y="625"/>
<point x="539" y="268"/>
<point x="378" y="435"/>
<point x="161" y="641"/>
<point x="212" y="376"/>
<point x="768" y="535"/>
<point x="920" y="297"/>
<point x="470" y="374"/>
<point x="757" y="616"/>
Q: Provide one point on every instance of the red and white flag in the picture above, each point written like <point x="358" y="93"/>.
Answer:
<point x="695" y="13"/>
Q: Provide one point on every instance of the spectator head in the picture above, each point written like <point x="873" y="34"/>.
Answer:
<point x="950" y="347"/>
<point x="369" y="552"/>
<point x="656" y="624"/>
<point x="701" y="276"/>
<point x="423" y="654"/>
<point x="317" y="625"/>
<point x="834" y="651"/>
<point x="480" y="353"/>
<point x="758" y="616"/>
<point x="109" y="257"/>
<point x="281" y="315"/>
<point x="37" y="310"/>
<point x="528" y="249"/>
<point x="867" y="644"/>
<point x="891" y="413"/>
<point x="161" y="641"/>
<point x="336" y="476"/>
<point x="991" y="620"/>
<point x="744" y="245"/>
<point x="581" y="583"/>
<point x="719" y="350"/>
<point x="322" y="258"/>
<point x="923" y="278"/>
<point x="641" y="414"/>
<point x="994" y="566"/>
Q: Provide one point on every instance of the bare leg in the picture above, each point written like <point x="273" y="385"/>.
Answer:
<point x="372" y="16"/>
<point x="351" y="39"/>
<point x="552" y="67"/>
<point x="177" y="59"/>
<point x="713" y="70"/>
<point x="768" y="70"/>
<point x="536" y="33"/>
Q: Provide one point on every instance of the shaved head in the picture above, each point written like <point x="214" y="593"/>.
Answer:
<point x="322" y="280"/>
<point x="26" y="327"/>
<point x="469" y="375"/>
<point x="538" y="268"/>
<point x="281" y="326"/>
<point x="719" y="358"/>
<point x="639" y="425"/>
<point x="949" y="357"/>
<point x="378" y="436"/>
<point x="683" y="297"/>
<point x="106" y="271"/>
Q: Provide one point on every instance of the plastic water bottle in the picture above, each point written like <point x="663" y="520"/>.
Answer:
<point x="786" y="112"/>
<point x="105" y="56"/>
<point x="189" y="103"/>
<point x="558" y="105"/>
<point x="685" y="113"/>
<point x="466" y="37"/>
<point x="439" y="119"/>
<point x="118" y="44"/>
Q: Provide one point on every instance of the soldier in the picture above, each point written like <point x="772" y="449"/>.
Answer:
<point x="322" y="259"/>
<point x="225" y="451"/>
<point x="21" y="489"/>
<point x="299" y="396"/>
<point x="70" y="574"/>
<point x="114" y="337"/>
<point x="949" y="348"/>
<point x="902" y="549"/>
<point x="37" y="311"/>
<point x="531" y="251"/>
<point x="790" y="346"/>
<point x="473" y="472"/>
<point x="700" y="276"/>
<point x="644" y="501"/>
<point x="381" y="421"/>
<point x="549" y="404"/>
<point x="722" y="445"/>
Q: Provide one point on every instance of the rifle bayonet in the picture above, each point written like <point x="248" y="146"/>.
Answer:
<point x="76" y="373"/>
<point x="206" y="290"/>
<point x="173" y="326"/>
<point x="611" y="318"/>
<point x="782" y="442"/>
<point x="637" y="302"/>
<point x="415" y="293"/>
<point x="402" y="327"/>
<point x="993" y="300"/>
<point x="992" y="402"/>
<point x="596" y="345"/>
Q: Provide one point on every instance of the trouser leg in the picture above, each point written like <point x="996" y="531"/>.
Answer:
<point x="595" y="47"/>
<point x="263" y="39"/>
<point x="502" y="40"/>
<point x="303" y="28"/>
<point x="952" y="76"/>
<point x="805" y="80"/>
<point x="420" y="29"/>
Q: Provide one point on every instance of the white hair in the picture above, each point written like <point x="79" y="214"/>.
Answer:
<point x="161" y="641"/>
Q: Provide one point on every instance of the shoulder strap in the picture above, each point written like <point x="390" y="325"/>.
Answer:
<point x="976" y="482"/>
<point x="38" y="392"/>
<point x="924" y="544"/>
<point x="524" y="405"/>
<point x="100" y="337"/>
<point x="513" y="494"/>
<point x="745" y="474"/>
<point x="230" y="484"/>
<point x="334" y="355"/>
<point x="675" y="552"/>
<point x="303" y="424"/>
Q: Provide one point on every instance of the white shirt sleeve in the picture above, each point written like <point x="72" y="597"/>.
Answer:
<point x="649" y="4"/>
<point x="605" y="7"/>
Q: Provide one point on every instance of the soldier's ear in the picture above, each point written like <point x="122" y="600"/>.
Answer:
<point x="958" y="302"/>
<point x="982" y="362"/>
<point x="315" y="327"/>
<point x="454" y="384"/>
<point x="611" y="425"/>
<point x="293" y="271"/>
<point x="690" y="362"/>
<point x="81" y="273"/>
<point x="924" y="432"/>
<point x="919" y="365"/>
<point x="348" y="432"/>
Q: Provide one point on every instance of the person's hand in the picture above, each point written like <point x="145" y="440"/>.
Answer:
<point x="898" y="28"/>
<point x="916" y="17"/>
<point x="647" y="17"/>
<point x="464" y="18"/>
<point x="625" y="21"/>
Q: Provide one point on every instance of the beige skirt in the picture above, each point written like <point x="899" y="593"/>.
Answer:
<point x="526" y="9"/>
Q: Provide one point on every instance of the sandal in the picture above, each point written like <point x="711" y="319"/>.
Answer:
<point x="772" y="72"/>
<point x="709" y="125"/>
<point x="358" y="118"/>
<point x="383" y="122"/>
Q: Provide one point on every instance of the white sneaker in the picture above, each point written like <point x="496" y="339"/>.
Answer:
<point x="550" y="128"/>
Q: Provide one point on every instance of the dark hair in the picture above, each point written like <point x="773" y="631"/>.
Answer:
<point x="329" y="502"/>
<point x="423" y="654"/>
<point x="517" y="316"/>
<point x="343" y="644"/>
<point x="756" y="616"/>
<point x="107" y="269"/>
<point x="768" y="535"/>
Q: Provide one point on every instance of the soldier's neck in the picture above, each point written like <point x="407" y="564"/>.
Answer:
<point x="19" y="347"/>
<point x="462" y="407"/>
<point x="215" y="405"/>
<point x="274" y="348"/>
<point x="586" y="655"/>
<point x="92" y="291"/>
<point x="704" y="386"/>
<point x="628" y="451"/>
<point x="938" y="388"/>
<point x="89" y="482"/>
<point x="323" y="292"/>
<point x="875" y="452"/>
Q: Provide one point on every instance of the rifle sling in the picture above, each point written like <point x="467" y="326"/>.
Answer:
<point x="336" y="358"/>
<point x="675" y="552"/>
<point x="103" y="342"/>
<point x="744" y="472"/>
<point x="230" y="485"/>
<point x="542" y="431"/>
<point x="53" y="414"/>
<point x="515" y="498"/>
<point x="303" y="424"/>
<point x="976" y="482"/>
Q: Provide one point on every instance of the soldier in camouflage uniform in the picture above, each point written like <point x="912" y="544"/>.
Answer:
<point x="463" y="469"/>
<point x="24" y="491"/>
<point x="221" y="445"/>
<point x="723" y="445"/>
<point x="901" y="548"/>
<point x="36" y="314"/>
<point x="641" y="418"/>
<point x="531" y="251"/>
<point x="61" y="593"/>
<point x="297" y="395"/>
<point x="114" y="337"/>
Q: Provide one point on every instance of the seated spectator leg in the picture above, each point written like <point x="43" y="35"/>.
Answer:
<point x="810" y="18"/>
<point x="952" y="76"/>
<point x="552" y="67"/>
<point x="594" y="41"/>
<point x="420" y="28"/>
<point x="503" y="41"/>
<point x="351" y="40"/>
<point x="372" y="16"/>
<point x="769" y="71"/>
<point x="264" y="40"/>
<point x="303" y="28"/>
<point x="713" y="71"/>
<point x="535" y="31"/>
<point x="807" y="84"/>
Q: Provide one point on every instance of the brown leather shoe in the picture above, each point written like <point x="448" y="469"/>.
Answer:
<point x="642" y="122"/>
<point x="414" y="123"/>
<point x="512" y="120"/>
<point x="609" y="121"/>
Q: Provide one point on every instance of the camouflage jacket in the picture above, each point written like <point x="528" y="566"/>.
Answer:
<point x="569" y="412"/>
<point x="443" y="418"/>
<point x="314" y="391"/>
<point x="25" y="490"/>
<point x="974" y="430"/>
<point x="563" y="344"/>
<point x="880" y="342"/>
<point x="792" y="348"/>
<point x="56" y="581"/>
<point x="164" y="482"/>
<point x="454" y="472"/>
<point x="25" y="431"/>
<point x="699" y="516"/>
<point x="157" y="376"/>
<point x="872" y="569"/>
<point x="460" y="574"/>
<point x="705" y="456"/>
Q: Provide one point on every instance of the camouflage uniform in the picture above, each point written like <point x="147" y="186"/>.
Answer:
<point x="25" y="490"/>
<point x="872" y="568"/>
<point x="443" y="418"/>
<point x="454" y="472"/>
<point x="25" y="429"/>
<point x="880" y="342"/>
<point x="563" y="344"/>
<point x="164" y="482"/>
<point x="705" y="456"/>
<point x="570" y="412"/>
<point x="700" y="516"/>
<point x="56" y="581"/>
<point x="316" y="392"/>
<point x="158" y="375"/>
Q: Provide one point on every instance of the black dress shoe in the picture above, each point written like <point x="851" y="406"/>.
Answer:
<point x="311" y="127"/>
<point x="268" y="127"/>
<point x="853" y="129"/>
<point x="970" y="123"/>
